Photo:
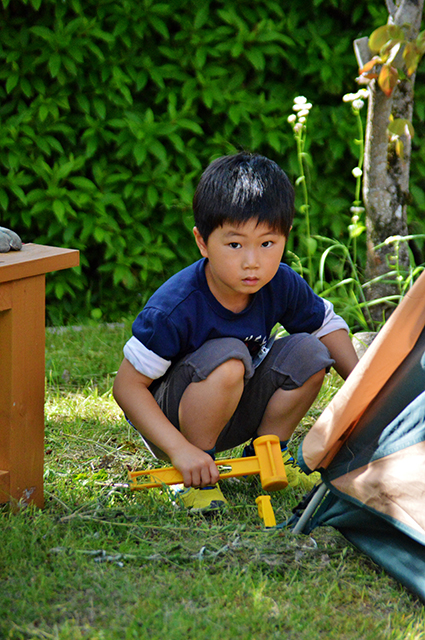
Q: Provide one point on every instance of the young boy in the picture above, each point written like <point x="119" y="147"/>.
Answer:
<point x="202" y="372"/>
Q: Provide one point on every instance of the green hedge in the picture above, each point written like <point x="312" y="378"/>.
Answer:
<point x="111" y="109"/>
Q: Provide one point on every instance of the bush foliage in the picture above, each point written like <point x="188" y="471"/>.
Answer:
<point x="111" y="109"/>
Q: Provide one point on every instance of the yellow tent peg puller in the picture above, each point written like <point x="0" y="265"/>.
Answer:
<point x="267" y="462"/>
<point x="265" y="511"/>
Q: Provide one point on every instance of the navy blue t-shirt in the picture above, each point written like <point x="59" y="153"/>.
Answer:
<point x="183" y="313"/>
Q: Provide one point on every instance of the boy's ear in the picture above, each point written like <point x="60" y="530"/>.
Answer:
<point x="202" y="246"/>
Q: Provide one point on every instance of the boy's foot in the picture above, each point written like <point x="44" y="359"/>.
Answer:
<point x="202" y="500"/>
<point x="295" y="476"/>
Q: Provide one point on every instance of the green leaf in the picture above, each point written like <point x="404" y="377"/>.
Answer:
<point x="356" y="230"/>
<point x="140" y="151"/>
<point x="4" y="199"/>
<point x="103" y="35"/>
<point x="177" y="142"/>
<point x="200" y="57"/>
<point x="26" y="87"/>
<point x="191" y="125"/>
<point x="400" y="127"/>
<point x="274" y="140"/>
<point x="257" y="59"/>
<point x="100" y="108"/>
<point x="411" y="57"/>
<point x="152" y="195"/>
<point x="59" y="210"/>
<point x="36" y="195"/>
<point x="235" y="113"/>
<point x="311" y="244"/>
<point x="158" y="150"/>
<point x="65" y="170"/>
<point x="19" y="193"/>
<point x="388" y="33"/>
<point x="69" y="65"/>
<point x="43" y="145"/>
<point x="201" y="16"/>
<point x="96" y="51"/>
<point x="83" y="183"/>
<point x="99" y="234"/>
<point x="44" y="32"/>
<point x="159" y="26"/>
<point x="126" y="93"/>
<point x="83" y="102"/>
<point x="11" y="82"/>
<point x="54" y="64"/>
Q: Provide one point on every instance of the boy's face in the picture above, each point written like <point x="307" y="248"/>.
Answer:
<point x="241" y="260"/>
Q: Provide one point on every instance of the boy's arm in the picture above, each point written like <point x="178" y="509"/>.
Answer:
<point x="342" y="351"/>
<point x="131" y="391"/>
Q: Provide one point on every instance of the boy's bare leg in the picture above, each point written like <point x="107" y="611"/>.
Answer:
<point x="286" y="408"/>
<point x="207" y="406"/>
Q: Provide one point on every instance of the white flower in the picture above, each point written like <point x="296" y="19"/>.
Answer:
<point x="357" y="104"/>
<point x="300" y="100"/>
<point x="292" y="118"/>
<point x="357" y="172"/>
<point x="361" y="94"/>
<point x="350" y="97"/>
<point x="357" y="210"/>
<point x="303" y="113"/>
<point x="298" y="127"/>
<point x="355" y="219"/>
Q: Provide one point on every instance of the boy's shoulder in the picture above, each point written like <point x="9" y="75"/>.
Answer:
<point x="178" y="287"/>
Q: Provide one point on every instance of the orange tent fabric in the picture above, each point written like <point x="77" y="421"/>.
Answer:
<point x="392" y="344"/>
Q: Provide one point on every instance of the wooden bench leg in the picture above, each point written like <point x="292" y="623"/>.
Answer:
<point x="22" y="361"/>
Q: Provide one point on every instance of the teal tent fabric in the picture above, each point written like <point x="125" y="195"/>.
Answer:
<point x="394" y="423"/>
<point x="396" y="552"/>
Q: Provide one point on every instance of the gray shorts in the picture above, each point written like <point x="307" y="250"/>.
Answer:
<point x="289" y="363"/>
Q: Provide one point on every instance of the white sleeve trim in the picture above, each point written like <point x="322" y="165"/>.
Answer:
<point x="331" y="322"/>
<point x="144" y="360"/>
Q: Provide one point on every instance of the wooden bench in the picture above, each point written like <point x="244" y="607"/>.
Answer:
<point x="22" y="363"/>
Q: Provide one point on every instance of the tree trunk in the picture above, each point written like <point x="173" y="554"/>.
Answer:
<point x="386" y="174"/>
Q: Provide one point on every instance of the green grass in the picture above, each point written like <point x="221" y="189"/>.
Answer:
<point x="102" y="563"/>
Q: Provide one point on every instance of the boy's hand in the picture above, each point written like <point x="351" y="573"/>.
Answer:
<point x="197" y="467"/>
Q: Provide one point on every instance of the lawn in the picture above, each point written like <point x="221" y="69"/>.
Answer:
<point x="103" y="563"/>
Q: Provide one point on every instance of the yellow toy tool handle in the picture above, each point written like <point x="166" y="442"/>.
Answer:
<point x="267" y="462"/>
<point x="169" y="475"/>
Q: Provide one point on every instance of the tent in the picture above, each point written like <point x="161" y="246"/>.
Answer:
<point x="369" y="445"/>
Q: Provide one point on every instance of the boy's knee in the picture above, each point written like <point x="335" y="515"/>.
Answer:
<point x="230" y="372"/>
<point x="217" y="353"/>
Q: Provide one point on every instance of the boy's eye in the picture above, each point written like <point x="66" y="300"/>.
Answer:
<point x="267" y="243"/>
<point x="234" y="245"/>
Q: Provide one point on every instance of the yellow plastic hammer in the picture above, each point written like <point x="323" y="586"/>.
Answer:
<point x="267" y="462"/>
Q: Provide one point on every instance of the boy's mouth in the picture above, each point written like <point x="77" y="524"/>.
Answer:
<point x="250" y="280"/>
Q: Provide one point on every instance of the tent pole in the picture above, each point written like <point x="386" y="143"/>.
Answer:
<point x="310" y="509"/>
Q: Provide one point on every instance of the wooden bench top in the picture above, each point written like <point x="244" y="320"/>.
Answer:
<point x="34" y="260"/>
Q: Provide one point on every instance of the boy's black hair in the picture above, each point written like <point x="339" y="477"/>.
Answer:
<point x="240" y="187"/>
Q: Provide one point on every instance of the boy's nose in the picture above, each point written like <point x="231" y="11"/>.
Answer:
<point x="251" y="260"/>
